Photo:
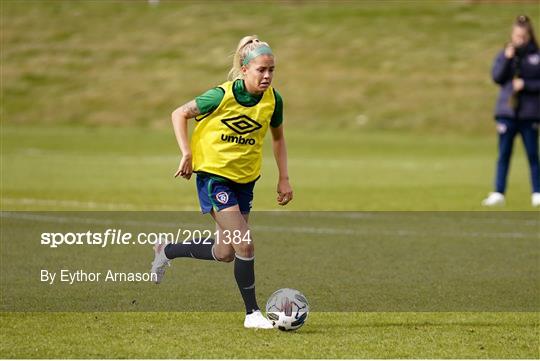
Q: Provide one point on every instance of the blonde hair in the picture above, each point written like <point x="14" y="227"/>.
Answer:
<point x="246" y="45"/>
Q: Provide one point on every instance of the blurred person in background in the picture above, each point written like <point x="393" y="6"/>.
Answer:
<point x="517" y="71"/>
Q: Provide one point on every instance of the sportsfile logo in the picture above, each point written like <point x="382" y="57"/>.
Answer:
<point x="241" y="125"/>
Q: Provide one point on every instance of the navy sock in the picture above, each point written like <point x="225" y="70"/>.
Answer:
<point x="201" y="250"/>
<point x="244" y="273"/>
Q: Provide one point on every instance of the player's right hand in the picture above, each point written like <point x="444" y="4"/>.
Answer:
<point x="185" y="169"/>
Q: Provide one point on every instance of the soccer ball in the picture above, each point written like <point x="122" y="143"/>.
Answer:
<point x="287" y="309"/>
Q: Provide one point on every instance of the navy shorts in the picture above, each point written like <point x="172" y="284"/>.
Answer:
<point x="216" y="193"/>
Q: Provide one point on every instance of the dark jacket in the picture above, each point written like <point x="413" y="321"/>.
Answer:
<point x="525" y="65"/>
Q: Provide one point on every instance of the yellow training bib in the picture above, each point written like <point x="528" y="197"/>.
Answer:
<point x="228" y="142"/>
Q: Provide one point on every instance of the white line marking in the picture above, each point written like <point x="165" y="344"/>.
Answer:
<point x="270" y="229"/>
<point x="92" y="205"/>
<point x="391" y="215"/>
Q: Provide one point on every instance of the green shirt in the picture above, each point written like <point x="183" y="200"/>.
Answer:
<point x="210" y="100"/>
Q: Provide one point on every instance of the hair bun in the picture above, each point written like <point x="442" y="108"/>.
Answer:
<point x="522" y="19"/>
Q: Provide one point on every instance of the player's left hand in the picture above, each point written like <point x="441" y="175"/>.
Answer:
<point x="284" y="191"/>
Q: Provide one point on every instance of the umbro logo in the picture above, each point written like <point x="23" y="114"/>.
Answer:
<point x="241" y="124"/>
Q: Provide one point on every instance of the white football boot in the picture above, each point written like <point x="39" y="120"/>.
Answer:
<point x="494" y="199"/>
<point x="160" y="261"/>
<point x="535" y="200"/>
<point x="257" y="320"/>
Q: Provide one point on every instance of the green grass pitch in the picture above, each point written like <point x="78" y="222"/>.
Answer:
<point x="138" y="176"/>
<point x="398" y="118"/>
<point x="218" y="335"/>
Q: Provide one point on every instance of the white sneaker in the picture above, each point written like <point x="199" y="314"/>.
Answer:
<point x="160" y="261"/>
<point x="257" y="320"/>
<point x="535" y="200"/>
<point x="494" y="199"/>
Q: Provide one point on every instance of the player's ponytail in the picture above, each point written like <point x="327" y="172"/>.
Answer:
<point x="246" y="45"/>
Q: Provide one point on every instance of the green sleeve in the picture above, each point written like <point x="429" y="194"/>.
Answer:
<point x="277" y="117"/>
<point x="209" y="101"/>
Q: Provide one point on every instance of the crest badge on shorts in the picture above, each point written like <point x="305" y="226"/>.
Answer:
<point x="222" y="197"/>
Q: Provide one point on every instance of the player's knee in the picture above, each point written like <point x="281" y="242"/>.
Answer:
<point x="224" y="255"/>
<point x="245" y="249"/>
<point x="226" y="259"/>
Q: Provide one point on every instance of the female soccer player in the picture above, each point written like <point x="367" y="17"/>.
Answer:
<point x="517" y="71"/>
<point x="226" y="153"/>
